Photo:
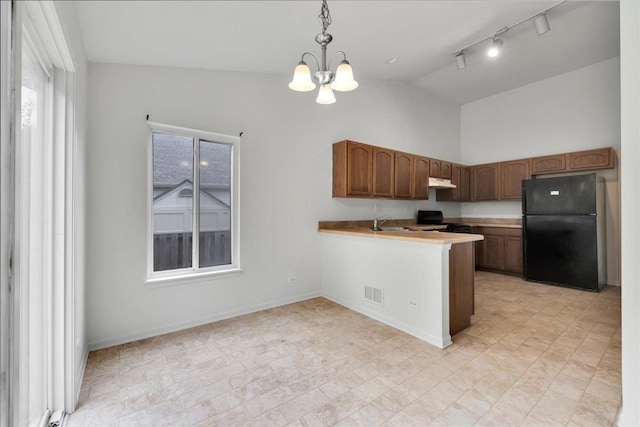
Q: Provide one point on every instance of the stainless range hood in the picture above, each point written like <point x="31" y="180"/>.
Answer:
<point x="440" y="183"/>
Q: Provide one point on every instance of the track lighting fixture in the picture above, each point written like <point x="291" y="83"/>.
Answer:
<point x="494" y="50"/>
<point x="460" y="60"/>
<point x="540" y="23"/>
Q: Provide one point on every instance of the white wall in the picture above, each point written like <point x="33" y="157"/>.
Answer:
<point x="285" y="184"/>
<point x="574" y="111"/>
<point x="630" y="82"/>
<point x="71" y="28"/>
<point x="404" y="271"/>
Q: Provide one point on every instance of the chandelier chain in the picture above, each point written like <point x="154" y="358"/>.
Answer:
<point x="325" y="16"/>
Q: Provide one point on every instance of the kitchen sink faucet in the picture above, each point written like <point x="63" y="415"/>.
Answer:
<point x="379" y="221"/>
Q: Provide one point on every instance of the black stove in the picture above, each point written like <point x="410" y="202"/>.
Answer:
<point x="436" y="218"/>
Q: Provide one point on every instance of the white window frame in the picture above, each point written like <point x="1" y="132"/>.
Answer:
<point x="190" y="274"/>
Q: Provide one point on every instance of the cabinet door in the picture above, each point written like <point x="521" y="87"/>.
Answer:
<point x="421" y="177"/>
<point x="493" y="252"/>
<point x="465" y="184"/>
<point x="403" y="175"/>
<point x="383" y="165"/>
<point x="445" y="169"/>
<point x="454" y="176"/>
<point x="601" y="158"/>
<point x="435" y="170"/>
<point x="359" y="166"/>
<point x="548" y="164"/>
<point x="461" y="286"/>
<point x="512" y="173"/>
<point x="513" y="260"/>
<point x="480" y="253"/>
<point x="485" y="181"/>
<point x="453" y="194"/>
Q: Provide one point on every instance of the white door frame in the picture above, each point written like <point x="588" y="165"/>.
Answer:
<point x="62" y="384"/>
<point x="6" y="205"/>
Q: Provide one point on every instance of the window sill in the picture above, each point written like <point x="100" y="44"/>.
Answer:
<point x="189" y="278"/>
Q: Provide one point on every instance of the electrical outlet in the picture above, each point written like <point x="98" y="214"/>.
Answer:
<point x="292" y="279"/>
<point x="379" y="208"/>
<point x="414" y="304"/>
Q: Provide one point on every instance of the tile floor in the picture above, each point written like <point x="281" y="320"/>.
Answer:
<point x="536" y="355"/>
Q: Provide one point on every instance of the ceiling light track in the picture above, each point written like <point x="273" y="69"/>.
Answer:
<point x="540" y="23"/>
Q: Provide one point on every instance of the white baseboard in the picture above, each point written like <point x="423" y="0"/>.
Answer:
<point x="197" y="322"/>
<point x="433" y="340"/>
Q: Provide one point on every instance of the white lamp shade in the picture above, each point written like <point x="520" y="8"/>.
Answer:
<point x="302" y="78"/>
<point x="494" y="50"/>
<point x="325" y="95"/>
<point x="344" y="81"/>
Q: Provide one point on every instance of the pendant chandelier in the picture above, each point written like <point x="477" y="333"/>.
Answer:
<point x="342" y="80"/>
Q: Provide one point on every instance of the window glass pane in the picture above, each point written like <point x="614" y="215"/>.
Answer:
<point x="172" y="201"/>
<point x="215" y="204"/>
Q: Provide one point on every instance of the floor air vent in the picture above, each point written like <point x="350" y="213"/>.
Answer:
<point x="373" y="294"/>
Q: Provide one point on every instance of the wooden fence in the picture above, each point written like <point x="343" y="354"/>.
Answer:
<point x="173" y="250"/>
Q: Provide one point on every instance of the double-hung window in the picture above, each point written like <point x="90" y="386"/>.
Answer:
<point x="193" y="200"/>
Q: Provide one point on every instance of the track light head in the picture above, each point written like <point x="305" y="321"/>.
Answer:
<point x="494" y="50"/>
<point x="541" y="24"/>
<point x="461" y="62"/>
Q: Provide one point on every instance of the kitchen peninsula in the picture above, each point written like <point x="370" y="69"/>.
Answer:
<point x="415" y="280"/>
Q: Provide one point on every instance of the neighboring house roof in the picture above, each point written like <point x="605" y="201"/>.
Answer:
<point x="181" y="185"/>
<point x="173" y="161"/>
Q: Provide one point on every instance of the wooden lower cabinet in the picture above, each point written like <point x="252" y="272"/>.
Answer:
<point x="493" y="252"/>
<point x="500" y="251"/>
<point x="513" y="260"/>
<point x="461" y="286"/>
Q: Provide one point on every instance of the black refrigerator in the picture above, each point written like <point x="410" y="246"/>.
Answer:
<point x="563" y="221"/>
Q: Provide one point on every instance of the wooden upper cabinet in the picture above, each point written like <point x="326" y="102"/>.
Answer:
<point x="454" y="176"/>
<point x="511" y="174"/>
<point x="548" y="164"/>
<point x="601" y="158"/>
<point x="485" y="182"/>
<point x="453" y="194"/>
<point x="383" y="171"/>
<point x="403" y="175"/>
<point x="465" y="183"/>
<point x="435" y="170"/>
<point x="421" y="167"/>
<point x="352" y="169"/>
<point x="445" y="169"/>
<point x="362" y="170"/>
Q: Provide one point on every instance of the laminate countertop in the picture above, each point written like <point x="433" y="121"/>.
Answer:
<point x="413" y="234"/>
<point x="494" y="225"/>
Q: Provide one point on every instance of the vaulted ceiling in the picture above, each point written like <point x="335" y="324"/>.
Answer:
<point x="270" y="36"/>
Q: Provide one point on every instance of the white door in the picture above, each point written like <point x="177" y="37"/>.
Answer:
<point x="33" y="212"/>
